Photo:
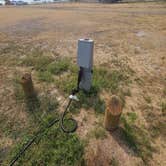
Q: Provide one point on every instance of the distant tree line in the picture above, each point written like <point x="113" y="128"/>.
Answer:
<point x="7" y="2"/>
<point x="101" y="1"/>
<point x="116" y="1"/>
<point x="109" y="1"/>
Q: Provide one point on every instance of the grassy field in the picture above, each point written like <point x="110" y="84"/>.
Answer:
<point x="129" y="59"/>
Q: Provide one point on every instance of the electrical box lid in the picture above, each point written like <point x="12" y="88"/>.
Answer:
<point x="85" y="53"/>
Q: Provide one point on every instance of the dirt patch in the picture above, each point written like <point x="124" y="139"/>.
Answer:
<point x="113" y="149"/>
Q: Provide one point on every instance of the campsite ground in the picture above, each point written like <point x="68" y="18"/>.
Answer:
<point x="129" y="39"/>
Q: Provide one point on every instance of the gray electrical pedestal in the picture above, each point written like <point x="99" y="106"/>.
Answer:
<point x="85" y="62"/>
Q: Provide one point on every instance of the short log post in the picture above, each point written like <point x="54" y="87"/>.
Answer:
<point x="113" y="113"/>
<point x="27" y="85"/>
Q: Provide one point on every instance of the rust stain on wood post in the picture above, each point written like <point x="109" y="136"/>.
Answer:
<point x="27" y="84"/>
<point x="113" y="113"/>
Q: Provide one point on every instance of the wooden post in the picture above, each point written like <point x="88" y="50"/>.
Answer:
<point x="113" y="113"/>
<point x="27" y="84"/>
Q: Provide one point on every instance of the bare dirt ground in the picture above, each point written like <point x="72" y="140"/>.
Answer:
<point x="132" y="33"/>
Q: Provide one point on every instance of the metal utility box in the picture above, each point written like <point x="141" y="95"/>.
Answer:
<point x="85" y="53"/>
<point x="85" y="61"/>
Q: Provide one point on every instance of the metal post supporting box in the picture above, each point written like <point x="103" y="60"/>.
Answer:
<point x="85" y="61"/>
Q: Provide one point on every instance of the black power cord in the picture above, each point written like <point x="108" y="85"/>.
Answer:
<point x="31" y="141"/>
<point x="80" y="75"/>
<point x="69" y="119"/>
<point x="61" y="120"/>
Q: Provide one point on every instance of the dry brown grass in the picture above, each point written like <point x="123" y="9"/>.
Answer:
<point x="132" y="35"/>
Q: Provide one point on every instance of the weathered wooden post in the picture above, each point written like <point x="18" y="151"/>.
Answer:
<point x="113" y="113"/>
<point x="27" y="84"/>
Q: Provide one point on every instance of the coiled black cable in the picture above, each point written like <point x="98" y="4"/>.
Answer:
<point x="69" y="119"/>
<point x="31" y="141"/>
<point x="61" y="119"/>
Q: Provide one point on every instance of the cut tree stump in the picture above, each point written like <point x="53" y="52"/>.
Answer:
<point x="113" y="113"/>
<point x="27" y="85"/>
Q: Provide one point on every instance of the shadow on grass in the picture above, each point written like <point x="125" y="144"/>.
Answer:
<point x="33" y="106"/>
<point x="118" y="136"/>
<point x="41" y="108"/>
<point x="136" y="139"/>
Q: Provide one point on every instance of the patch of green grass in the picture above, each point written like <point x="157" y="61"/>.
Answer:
<point x="46" y="66"/>
<point x="18" y="91"/>
<point x="10" y="127"/>
<point x="128" y="133"/>
<point x="163" y="108"/>
<point x="98" y="133"/>
<point x="8" y="60"/>
<point x="60" y="66"/>
<point x="102" y="79"/>
<point x="66" y="83"/>
<point x="156" y="121"/>
<point x="87" y="101"/>
<point x="91" y="100"/>
<point x="45" y="76"/>
<point x="95" y="103"/>
<point x="157" y="128"/>
<point x="132" y="116"/>
<point x="14" y="55"/>
<point x="54" y="148"/>
<point x="139" y="81"/>
<point x="114" y="162"/>
<point x="122" y="97"/>
<point x="164" y="91"/>
<point x="41" y="106"/>
<point x="38" y="62"/>
<point x="109" y="79"/>
<point x="136" y="138"/>
<point x="11" y="48"/>
<point x="42" y="109"/>
<point x="148" y="99"/>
